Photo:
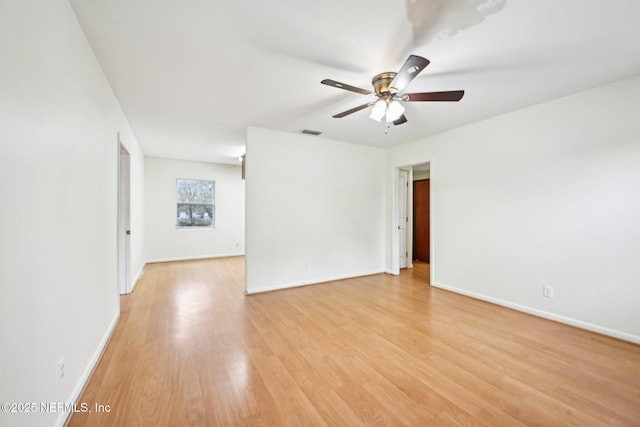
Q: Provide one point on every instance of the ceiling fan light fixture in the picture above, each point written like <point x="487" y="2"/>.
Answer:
<point x="394" y="111"/>
<point x="389" y="88"/>
<point x="379" y="110"/>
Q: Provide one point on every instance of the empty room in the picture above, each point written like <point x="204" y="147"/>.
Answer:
<point x="417" y="213"/>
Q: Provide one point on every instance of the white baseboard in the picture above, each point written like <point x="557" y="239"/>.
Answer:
<point x="310" y="282"/>
<point x="190" y="258"/>
<point x="88" y="370"/>
<point x="544" y="314"/>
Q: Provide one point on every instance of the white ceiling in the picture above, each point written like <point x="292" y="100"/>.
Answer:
<point x="192" y="75"/>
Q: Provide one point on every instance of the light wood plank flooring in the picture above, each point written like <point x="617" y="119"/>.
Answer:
<point x="191" y="350"/>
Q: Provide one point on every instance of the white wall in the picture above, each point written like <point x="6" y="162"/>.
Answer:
<point x="164" y="242"/>
<point x="548" y="195"/>
<point x="315" y="210"/>
<point x="59" y="121"/>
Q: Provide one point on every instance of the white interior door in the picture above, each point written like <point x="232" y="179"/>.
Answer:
<point x="403" y="182"/>
<point x="124" y="231"/>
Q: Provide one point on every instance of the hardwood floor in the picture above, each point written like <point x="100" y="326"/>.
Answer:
<point x="191" y="350"/>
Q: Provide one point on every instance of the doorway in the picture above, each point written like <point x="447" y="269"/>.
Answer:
<point x="124" y="219"/>
<point x="403" y="241"/>
<point x="420" y="203"/>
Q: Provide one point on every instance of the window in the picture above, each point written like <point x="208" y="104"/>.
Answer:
<point x="195" y="200"/>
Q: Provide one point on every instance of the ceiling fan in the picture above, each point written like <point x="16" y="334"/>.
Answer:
<point x="388" y="88"/>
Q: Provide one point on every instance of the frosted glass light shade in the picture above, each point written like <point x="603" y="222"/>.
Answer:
<point x="394" y="111"/>
<point x="378" y="110"/>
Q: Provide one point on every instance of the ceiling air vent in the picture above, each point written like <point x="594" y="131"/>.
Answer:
<point x="311" y="132"/>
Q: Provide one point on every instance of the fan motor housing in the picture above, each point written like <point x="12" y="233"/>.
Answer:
<point x="382" y="81"/>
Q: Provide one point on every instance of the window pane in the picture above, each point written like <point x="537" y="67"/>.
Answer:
<point x="195" y="203"/>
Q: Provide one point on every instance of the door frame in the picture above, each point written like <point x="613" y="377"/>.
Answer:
<point x="395" y="244"/>
<point x="124" y="219"/>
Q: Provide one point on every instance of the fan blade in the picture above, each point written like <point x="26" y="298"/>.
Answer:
<point x="353" y="110"/>
<point x="411" y="68"/>
<point x="452" y="95"/>
<point x="402" y="119"/>
<point x="345" y="86"/>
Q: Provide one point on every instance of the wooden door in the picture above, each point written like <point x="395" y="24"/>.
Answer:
<point x="421" y="220"/>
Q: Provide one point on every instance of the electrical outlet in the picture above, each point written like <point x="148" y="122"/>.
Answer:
<point x="60" y="368"/>
<point x="547" y="291"/>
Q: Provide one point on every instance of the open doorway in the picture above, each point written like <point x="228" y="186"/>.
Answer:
<point x="421" y="226"/>
<point x="421" y="213"/>
<point x="411" y="243"/>
<point x="124" y="219"/>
